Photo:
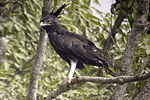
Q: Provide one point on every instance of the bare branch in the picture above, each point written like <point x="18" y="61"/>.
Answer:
<point x="110" y="34"/>
<point x="16" y="4"/>
<point x="103" y="28"/>
<point x="146" y="60"/>
<point x="2" y="49"/>
<point x="108" y="42"/>
<point x="134" y="39"/>
<point x="7" y="2"/>
<point x="38" y="61"/>
<point x="119" y="80"/>
<point x="144" y="94"/>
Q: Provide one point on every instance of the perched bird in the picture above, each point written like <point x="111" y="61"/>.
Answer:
<point x="75" y="49"/>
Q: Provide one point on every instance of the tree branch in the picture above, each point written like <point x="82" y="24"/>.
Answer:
<point x="112" y="38"/>
<point x="5" y="11"/>
<point x="38" y="61"/>
<point x="137" y="31"/>
<point x="119" y="80"/>
<point x="144" y="94"/>
<point x="108" y="42"/>
<point x="146" y="60"/>
<point x="2" y="49"/>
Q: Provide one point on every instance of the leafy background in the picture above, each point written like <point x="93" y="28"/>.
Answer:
<point x="20" y="33"/>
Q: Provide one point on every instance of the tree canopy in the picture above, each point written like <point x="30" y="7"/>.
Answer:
<point x="112" y="32"/>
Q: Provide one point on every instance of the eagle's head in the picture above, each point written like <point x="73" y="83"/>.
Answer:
<point x="51" y="19"/>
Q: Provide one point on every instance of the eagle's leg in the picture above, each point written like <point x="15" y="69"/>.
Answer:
<point x="71" y="71"/>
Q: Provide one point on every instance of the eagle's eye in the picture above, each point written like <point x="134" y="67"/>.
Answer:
<point x="48" y="21"/>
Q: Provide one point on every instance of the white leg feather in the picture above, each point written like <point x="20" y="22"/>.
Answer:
<point x="71" y="71"/>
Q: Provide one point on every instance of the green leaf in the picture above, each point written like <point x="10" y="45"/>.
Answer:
<point x="91" y="16"/>
<point x="96" y="2"/>
<point x="17" y="27"/>
<point x="118" y="57"/>
<point x="37" y="3"/>
<point x="118" y="6"/>
<point x="19" y="55"/>
<point x="83" y="22"/>
<point x="18" y="77"/>
<point x="66" y="17"/>
<point x="148" y="49"/>
<point x="102" y="91"/>
<point x="130" y="3"/>
<point x="96" y="23"/>
<point x="83" y="15"/>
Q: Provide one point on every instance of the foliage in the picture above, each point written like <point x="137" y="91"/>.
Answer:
<point x="21" y="32"/>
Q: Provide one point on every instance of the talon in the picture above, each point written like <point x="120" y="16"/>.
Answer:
<point x="68" y="80"/>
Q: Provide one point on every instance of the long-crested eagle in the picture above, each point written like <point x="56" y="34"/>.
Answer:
<point x="75" y="49"/>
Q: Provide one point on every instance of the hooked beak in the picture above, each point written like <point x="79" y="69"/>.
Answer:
<point x="43" y="24"/>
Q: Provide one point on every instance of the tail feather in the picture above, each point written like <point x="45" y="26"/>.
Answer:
<point x="109" y="71"/>
<point x="105" y="63"/>
<point x="108" y="61"/>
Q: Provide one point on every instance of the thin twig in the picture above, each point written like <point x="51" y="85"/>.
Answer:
<point x="10" y="10"/>
<point x="16" y="72"/>
<point x="146" y="60"/>
<point x="109" y="34"/>
<point x="103" y="27"/>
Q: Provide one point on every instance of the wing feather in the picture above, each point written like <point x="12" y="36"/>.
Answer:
<point x="77" y="45"/>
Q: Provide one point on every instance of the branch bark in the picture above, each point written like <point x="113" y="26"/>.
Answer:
<point x="146" y="60"/>
<point x="4" y="12"/>
<point x="139" y="28"/>
<point x="38" y="61"/>
<point x="145" y="93"/>
<point x="120" y="80"/>
<point x="109" y="41"/>
<point x="2" y="49"/>
<point x="2" y="7"/>
<point x="2" y="39"/>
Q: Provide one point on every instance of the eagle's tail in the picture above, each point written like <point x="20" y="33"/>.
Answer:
<point x="109" y="71"/>
<point x="105" y="64"/>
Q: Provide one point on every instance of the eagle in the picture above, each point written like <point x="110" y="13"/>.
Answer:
<point x="75" y="49"/>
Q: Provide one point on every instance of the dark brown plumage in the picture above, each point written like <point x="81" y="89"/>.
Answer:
<point x="71" y="47"/>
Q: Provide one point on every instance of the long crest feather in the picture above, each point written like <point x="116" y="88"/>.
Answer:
<point x="59" y="10"/>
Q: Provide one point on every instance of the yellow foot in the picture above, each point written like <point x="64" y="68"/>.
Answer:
<point x="68" y="80"/>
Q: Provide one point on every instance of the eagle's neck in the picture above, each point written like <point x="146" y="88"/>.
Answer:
<point x="52" y="28"/>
